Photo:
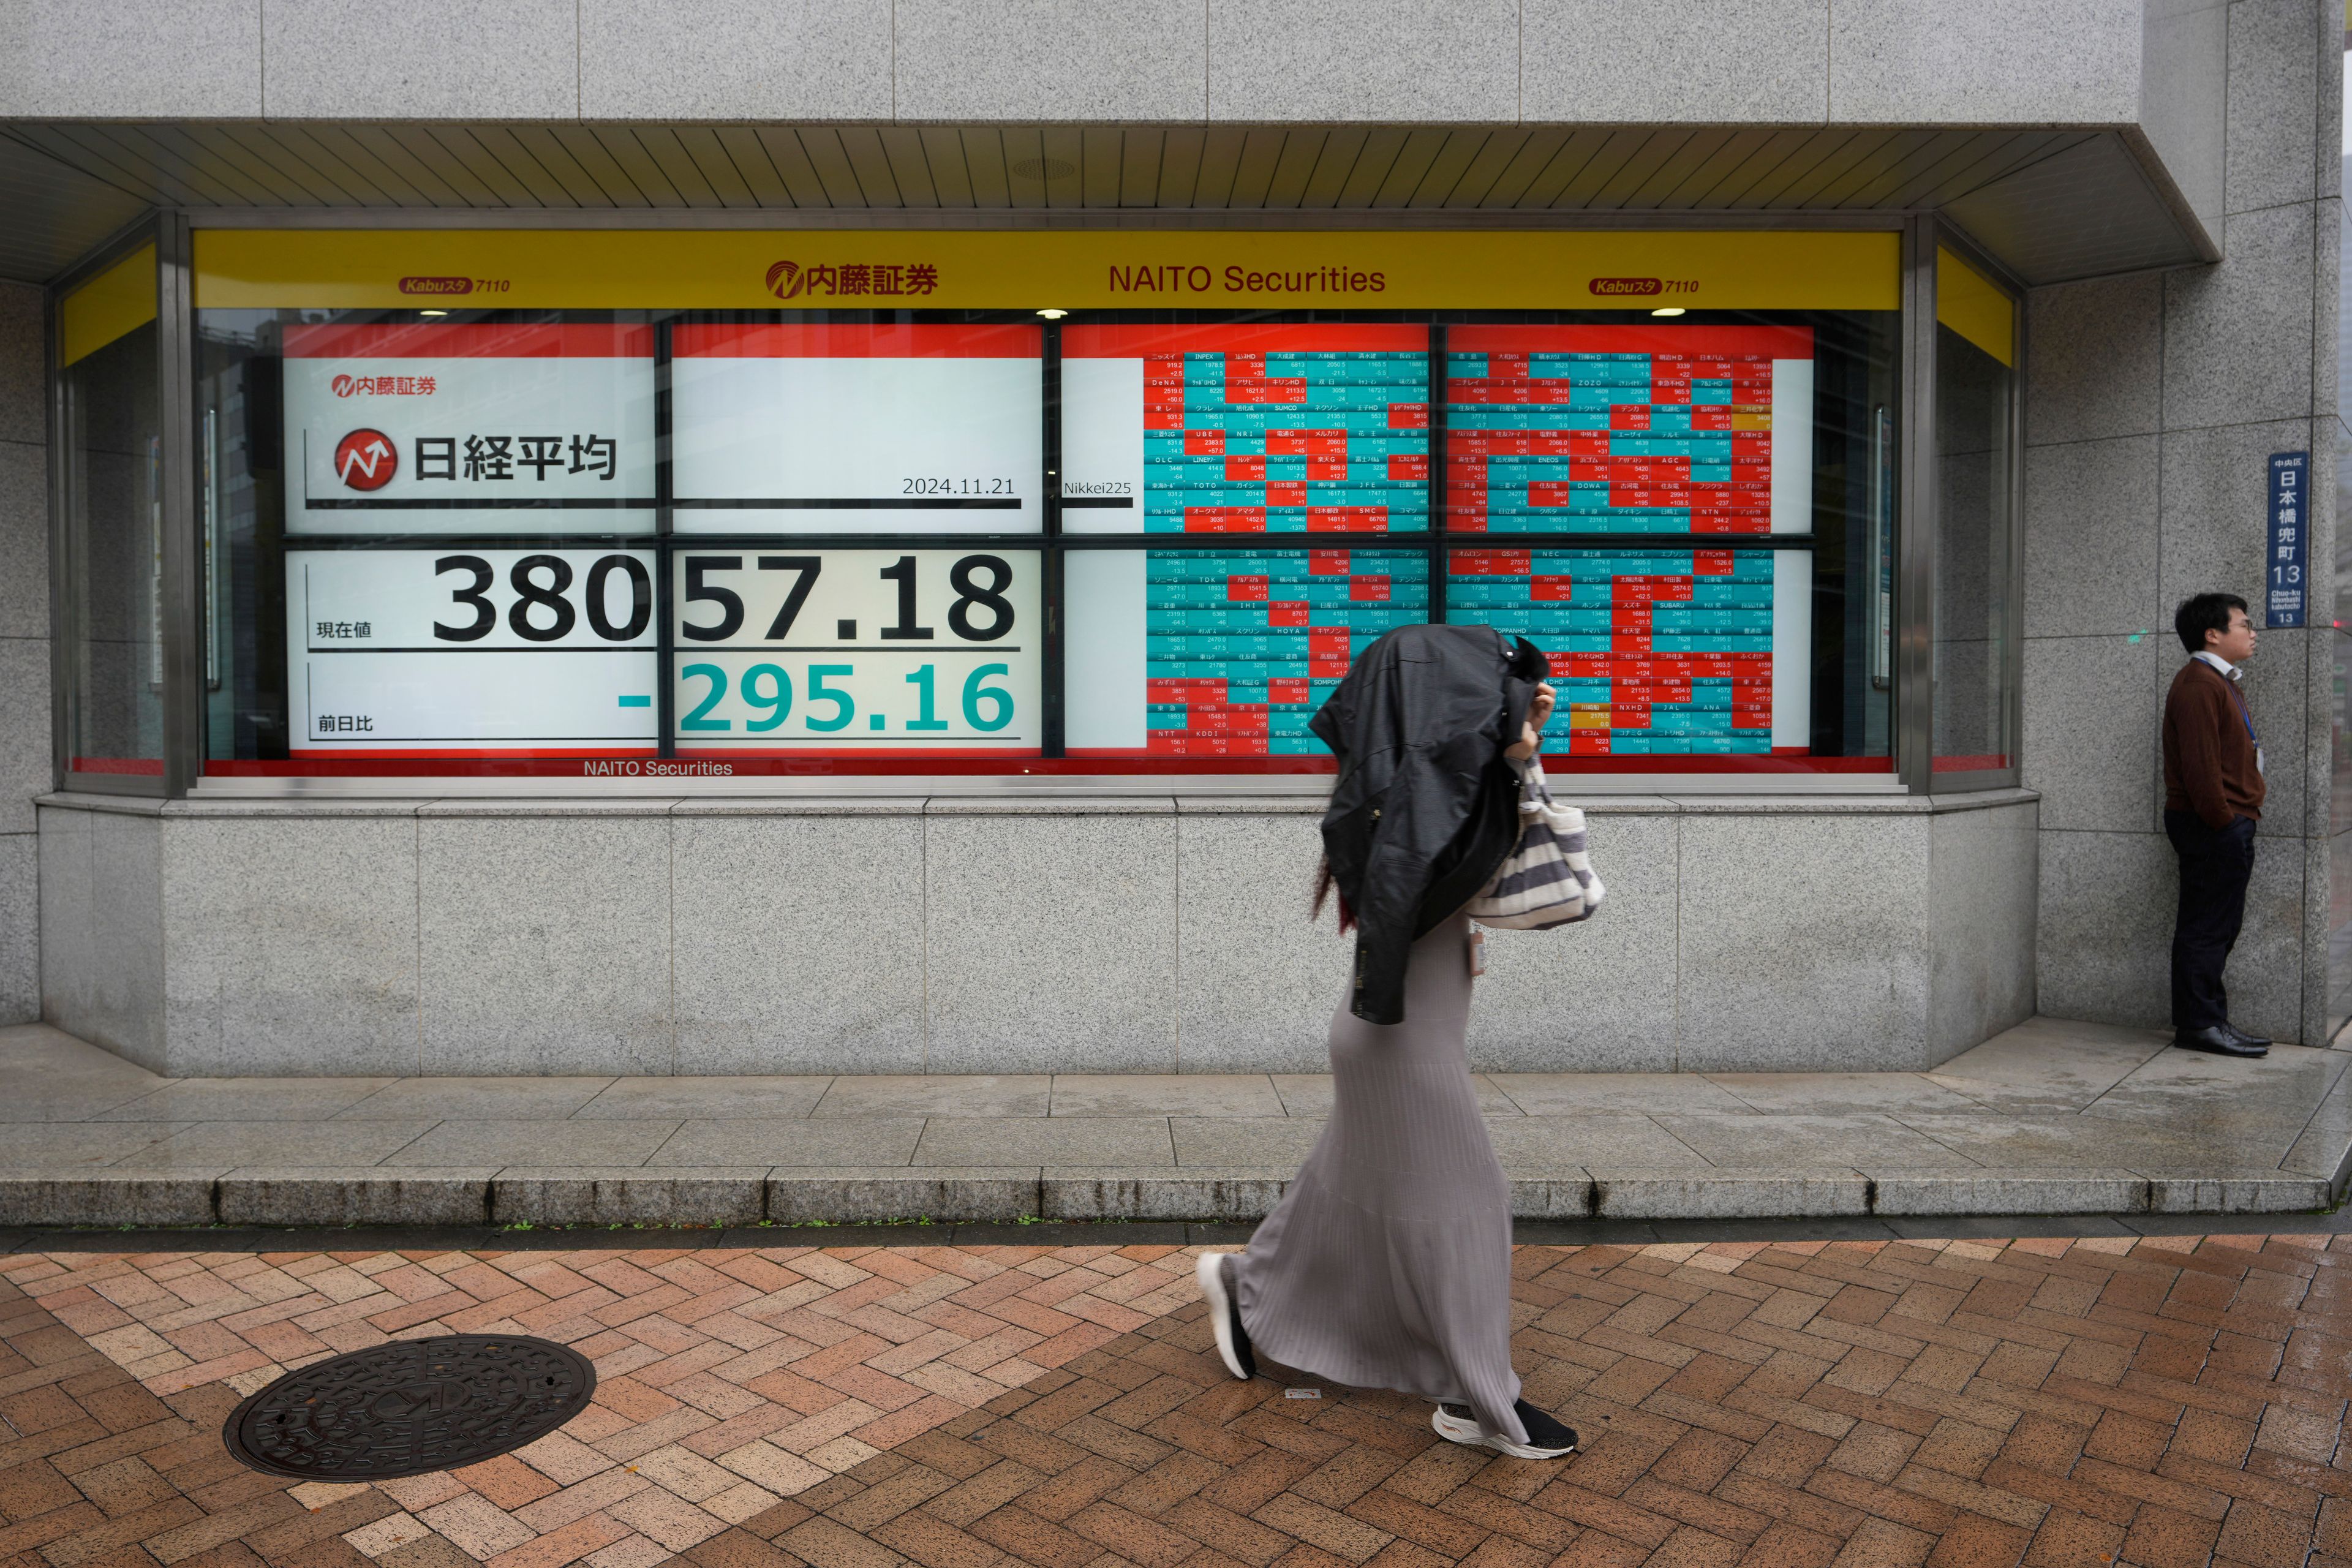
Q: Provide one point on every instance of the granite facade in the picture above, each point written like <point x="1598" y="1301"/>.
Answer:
<point x="469" y="940"/>
<point x="2152" y="407"/>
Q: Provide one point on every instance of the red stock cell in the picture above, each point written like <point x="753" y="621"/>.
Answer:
<point x="1370" y="590"/>
<point x="1286" y="613"/>
<point x="1327" y="467"/>
<point x="1408" y="416"/>
<point x="1204" y="443"/>
<point x="1169" y="692"/>
<point x="1246" y="590"/>
<point x="1347" y="518"/>
<point x="1246" y="467"/>
<point x="1401" y="467"/>
<point x="1629" y="415"/>
<point x="1328" y="563"/>
<point x="1289" y="690"/>
<point x="1285" y="492"/>
<point x="1224" y="520"/>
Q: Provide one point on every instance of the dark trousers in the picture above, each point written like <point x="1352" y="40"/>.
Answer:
<point x="2214" y="866"/>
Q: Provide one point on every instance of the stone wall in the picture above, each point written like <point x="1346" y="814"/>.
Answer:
<point x="1145" y="934"/>
<point x="24" y="641"/>
<point x="2153" y="404"/>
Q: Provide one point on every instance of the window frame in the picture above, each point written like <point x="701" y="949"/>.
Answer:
<point x="167" y="233"/>
<point x="1918" y="521"/>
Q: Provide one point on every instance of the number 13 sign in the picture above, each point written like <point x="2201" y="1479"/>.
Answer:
<point x="858" y="651"/>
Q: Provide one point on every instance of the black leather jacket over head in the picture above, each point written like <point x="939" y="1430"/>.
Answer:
<point x="1426" y="806"/>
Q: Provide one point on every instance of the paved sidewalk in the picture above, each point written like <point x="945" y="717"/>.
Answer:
<point x="2153" y="1401"/>
<point x="2049" y="1118"/>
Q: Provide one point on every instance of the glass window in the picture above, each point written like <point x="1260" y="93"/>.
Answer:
<point x="114" y="537"/>
<point x="1975" y="354"/>
<point x="505" y="535"/>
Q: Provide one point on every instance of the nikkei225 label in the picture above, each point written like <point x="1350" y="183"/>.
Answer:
<point x="856" y="652"/>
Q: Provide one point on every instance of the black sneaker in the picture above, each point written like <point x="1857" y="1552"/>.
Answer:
<point x="1225" y="1315"/>
<point x="1547" y="1438"/>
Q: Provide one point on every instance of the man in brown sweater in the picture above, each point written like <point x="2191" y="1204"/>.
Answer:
<point x="2213" y="798"/>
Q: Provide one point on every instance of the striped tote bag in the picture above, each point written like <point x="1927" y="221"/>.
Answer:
<point x="1547" y="879"/>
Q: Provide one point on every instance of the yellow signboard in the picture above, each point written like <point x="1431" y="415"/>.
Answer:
<point x="1968" y="302"/>
<point x="742" y="269"/>
<point x="118" y="301"/>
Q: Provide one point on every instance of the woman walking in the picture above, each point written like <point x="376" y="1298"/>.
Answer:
<point x="1388" y="1262"/>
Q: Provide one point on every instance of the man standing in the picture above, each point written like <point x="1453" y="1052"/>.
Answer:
<point x="2213" y="798"/>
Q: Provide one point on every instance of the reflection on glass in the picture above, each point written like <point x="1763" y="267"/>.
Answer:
<point x="1665" y="655"/>
<point x="1616" y="429"/>
<point x="469" y="427"/>
<point x="1225" y="653"/>
<point x="1245" y="427"/>
<point x="1974" y="384"/>
<point x="113" y="524"/>
<point x="858" y="653"/>
<point x="856" y="427"/>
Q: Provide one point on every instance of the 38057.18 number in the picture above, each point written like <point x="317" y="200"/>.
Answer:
<point x="767" y="691"/>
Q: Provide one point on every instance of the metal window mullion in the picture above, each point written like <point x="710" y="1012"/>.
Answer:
<point x="665" y="602"/>
<point x="1055" y="661"/>
<point x="1438" y="518"/>
<point x="1915" y="519"/>
<point x="184" y="608"/>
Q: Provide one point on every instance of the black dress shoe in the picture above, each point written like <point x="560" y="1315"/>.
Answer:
<point x="2220" y="1041"/>
<point x="2241" y="1035"/>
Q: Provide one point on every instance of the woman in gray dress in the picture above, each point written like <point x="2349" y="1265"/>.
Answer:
<point x="1388" y="1261"/>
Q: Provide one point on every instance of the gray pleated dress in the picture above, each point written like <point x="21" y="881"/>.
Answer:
<point x="1387" y="1263"/>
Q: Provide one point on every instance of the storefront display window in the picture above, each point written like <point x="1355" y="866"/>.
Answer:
<point x="1975" y="684"/>
<point x="111" y="498"/>
<point x="484" y="507"/>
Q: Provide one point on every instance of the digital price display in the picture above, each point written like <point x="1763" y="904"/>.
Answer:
<point x="1606" y="429"/>
<point x="467" y="653"/>
<point x="857" y="651"/>
<point x="1244" y="430"/>
<point x="1656" y="652"/>
<point x="1224" y="653"/>
<point x="879" y="428"/>
<point x="467" y="427"/>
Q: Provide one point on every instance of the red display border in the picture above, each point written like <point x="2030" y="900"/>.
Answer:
<point x="470" y="340"/>
<point x="1134" y="340"/>
<point x="1649" y="338"/>
<point x="856" y="340"/>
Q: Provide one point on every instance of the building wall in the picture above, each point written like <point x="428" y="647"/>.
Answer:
<point x="24" y="734"/>
<point x="1146" y="61"/>
<point x="2153" y="404"/>
<point x="1140" y="934"/>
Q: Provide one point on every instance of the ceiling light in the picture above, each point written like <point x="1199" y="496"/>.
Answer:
<point x="1668" y="311"/>
<point x="432" y="312"/>
<point x="1053" y="315"/>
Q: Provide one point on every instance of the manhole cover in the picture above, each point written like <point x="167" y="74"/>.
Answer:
<point x="415" y="1406"/>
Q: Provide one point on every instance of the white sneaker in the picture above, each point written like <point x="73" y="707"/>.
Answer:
<point x="1547" y="1438"/>
<point x="1224" y="1317"/>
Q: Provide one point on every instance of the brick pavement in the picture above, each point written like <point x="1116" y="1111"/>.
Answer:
<point x="2159" y="1402"/>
